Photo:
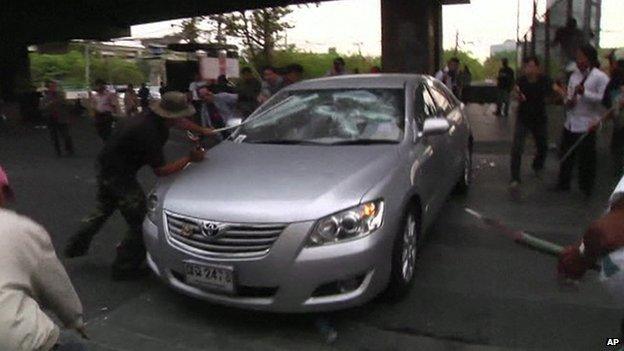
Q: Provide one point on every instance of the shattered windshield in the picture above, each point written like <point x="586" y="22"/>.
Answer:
<point x="336" y="116"/>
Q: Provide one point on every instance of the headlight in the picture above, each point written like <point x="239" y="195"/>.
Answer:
<point x="152" y="206"/>
<point x="356" y="222"/>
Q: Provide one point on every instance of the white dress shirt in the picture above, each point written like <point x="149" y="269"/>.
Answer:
<point x="588" y="108"/>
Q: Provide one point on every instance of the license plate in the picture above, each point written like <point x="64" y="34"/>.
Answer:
<point x="215" y="277"/>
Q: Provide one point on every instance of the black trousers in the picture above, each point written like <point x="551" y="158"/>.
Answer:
<point x="539" y="131"/>
<point x="584" y="155"/>
<point x="104" y="125"/>
<point x="127" y="197"/>
<point x="60" y="131"/>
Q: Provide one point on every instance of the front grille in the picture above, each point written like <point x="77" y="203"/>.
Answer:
<point x="239" y="240"/>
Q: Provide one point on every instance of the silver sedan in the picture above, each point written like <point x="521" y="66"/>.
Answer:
<point x="319" y="201"/>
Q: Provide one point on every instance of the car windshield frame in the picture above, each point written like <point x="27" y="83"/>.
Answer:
<point x="350" y="116"/>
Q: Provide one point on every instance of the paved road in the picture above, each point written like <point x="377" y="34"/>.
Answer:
<point x="474" y="289"/>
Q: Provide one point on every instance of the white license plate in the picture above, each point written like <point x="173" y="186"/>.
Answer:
<point x="215" y="277"/>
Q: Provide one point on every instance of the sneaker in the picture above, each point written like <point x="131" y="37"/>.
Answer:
<point x="77" y="246"/>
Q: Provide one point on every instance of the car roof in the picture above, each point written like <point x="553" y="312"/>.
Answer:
<point x="358" y="81"/>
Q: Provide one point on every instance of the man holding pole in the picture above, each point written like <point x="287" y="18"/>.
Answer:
<point x="583" y="101"/>
<point x="139" y="143"/>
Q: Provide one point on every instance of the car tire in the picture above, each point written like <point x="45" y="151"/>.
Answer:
<point x="463" y="184"/>
<point x="407" y="245"/>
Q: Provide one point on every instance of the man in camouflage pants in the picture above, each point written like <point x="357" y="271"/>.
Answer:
<point x="140" y="142"/>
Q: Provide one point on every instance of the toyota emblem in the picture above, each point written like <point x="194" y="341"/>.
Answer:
<point x="211" y="229"/>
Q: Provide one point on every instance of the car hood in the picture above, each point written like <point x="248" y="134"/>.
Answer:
<point x="265" y="183"/>
<point x="618" y="193"/>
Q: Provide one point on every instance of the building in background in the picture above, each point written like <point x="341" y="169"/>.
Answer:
<point x="507" y="46"/>
<point x="539" y="39"/>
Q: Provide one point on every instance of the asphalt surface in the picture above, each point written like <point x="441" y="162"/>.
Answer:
<point x="474" y="288"/>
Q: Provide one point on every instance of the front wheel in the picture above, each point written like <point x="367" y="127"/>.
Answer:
<point x="405" y="254"/>
<point x="463" y="184"/>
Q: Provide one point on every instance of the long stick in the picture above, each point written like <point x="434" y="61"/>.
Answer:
<point x="580" y="140"/>
<point x="519" y="236"/>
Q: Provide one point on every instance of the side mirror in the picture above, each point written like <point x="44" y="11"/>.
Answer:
<point x="435" y="126"/>
<point x="233" y="122"/>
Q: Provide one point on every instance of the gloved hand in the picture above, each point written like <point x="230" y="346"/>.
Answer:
<point x="571" y="263"/>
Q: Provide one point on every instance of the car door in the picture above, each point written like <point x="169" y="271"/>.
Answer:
<point x="427" y="154"/>
<point x="448" y="108"/>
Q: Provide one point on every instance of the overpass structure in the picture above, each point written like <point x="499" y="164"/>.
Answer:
<point x="411" y="29"/>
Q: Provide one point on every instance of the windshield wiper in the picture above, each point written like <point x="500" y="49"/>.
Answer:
<point x="363" y="142"/>
<point x="283" y="142"/>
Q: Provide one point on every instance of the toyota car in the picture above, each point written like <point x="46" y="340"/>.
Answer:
<point x="318" y="201"/>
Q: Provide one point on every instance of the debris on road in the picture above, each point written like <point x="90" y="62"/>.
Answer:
<point x="327" y="330"/>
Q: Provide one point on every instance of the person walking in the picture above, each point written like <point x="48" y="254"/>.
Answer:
<point x="131" y="101"/>
<point x="504" y="84"/>
<point x="449" y="75"/>
<point x="54" y="107"/>
<point x="104" y="104"/>
<point x="139" y="143"/>
<point x="585" y="91"/>
<point x="532" y="89"/>
<point x="31" y="278"/>
<point x="248" y="88"/>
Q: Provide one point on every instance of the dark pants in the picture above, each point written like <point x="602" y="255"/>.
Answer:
<point x="585" y="154"/>
<point x="127" y="197"/>
<point x="68" y="342"/>
<point x="60" y="131"/>
<point x="617" y="150"/>
<point x="502" y="104"/>
<point x="104" y="125"/>
<point x="539" y="130"/>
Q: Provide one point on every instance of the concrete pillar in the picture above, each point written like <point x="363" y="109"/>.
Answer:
<point x="411" y="35"/>
<point x="14" y="70"/>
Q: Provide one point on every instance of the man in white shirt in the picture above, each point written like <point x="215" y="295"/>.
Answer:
<point x="449" y="74"/>
<point x="105" y="105"/>
<point x="586" y="88"/>
<point x="193" y="90"/>
<point x="32" y="276"/>
<point x="217" y="109"/>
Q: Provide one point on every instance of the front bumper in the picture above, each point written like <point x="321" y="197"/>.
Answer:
<point x="288" y="278"/>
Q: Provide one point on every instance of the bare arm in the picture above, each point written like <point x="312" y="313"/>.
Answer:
<point x="172" y="167"/>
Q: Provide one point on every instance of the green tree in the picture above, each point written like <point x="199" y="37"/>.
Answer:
<point x="190" y="30"/>
<point x="259" y="31"/>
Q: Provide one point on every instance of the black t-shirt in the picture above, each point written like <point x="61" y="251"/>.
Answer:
<point x="139" y="142"/>
<point x="505" y="78"/>
<point x="534" y="108"/>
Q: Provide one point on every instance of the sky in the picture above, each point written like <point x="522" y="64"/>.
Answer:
<point x="354" y="25"/>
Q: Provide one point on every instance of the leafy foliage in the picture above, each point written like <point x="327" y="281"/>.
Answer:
<point x="69" y="68"/>
<point x="259" y="31"/>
